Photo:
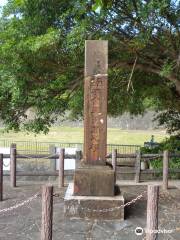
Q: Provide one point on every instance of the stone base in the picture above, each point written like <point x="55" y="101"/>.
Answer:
<point x="92" y="207"/>
<point x="94" y="181"/>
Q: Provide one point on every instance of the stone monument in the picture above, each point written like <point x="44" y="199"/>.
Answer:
<point x="92" y="194"/>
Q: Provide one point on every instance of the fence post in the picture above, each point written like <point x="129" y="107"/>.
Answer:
<point x="165" y="169"/>
<point x="78" y="157"/>
<point x="52" y="151"/>
<point x="138" y="166"/>
<point x="13" y="165"/>
<point x="1" y="177"/>
<point x="78" y="154"/>
<point x="152" y="212"/>
<point x="47" y="212"/>
<point x="61" y="167"/>
<point x="114" y="161"/>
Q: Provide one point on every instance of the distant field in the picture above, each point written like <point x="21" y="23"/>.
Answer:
<point x="75" y="134"/>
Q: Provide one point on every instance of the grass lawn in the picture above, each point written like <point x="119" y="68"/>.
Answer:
<point x="75" y="134"/>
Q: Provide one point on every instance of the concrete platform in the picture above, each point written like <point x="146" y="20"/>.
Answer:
<point x="93" y="207"/>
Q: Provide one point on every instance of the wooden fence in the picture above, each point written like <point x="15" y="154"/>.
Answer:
<point x="47" y="194"/>
<point x="110" y="157"/>
<point x="165" y="156"/>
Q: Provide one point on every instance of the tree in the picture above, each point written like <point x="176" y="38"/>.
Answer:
<point x="42" y="57"/>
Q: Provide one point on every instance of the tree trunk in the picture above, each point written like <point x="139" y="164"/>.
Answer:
<point x="177" y="83"/>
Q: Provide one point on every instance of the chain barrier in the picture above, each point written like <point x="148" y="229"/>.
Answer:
<point x="16" y="206"/>
<point x="85" y="209"/>
<point x="20" y="204"/>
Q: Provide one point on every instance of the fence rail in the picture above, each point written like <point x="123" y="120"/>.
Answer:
<point x="144" y="156"/>
<point x="72" y="156"/>
<point x="62" y="156"/>
<point x="43" y="147"/>
<point x="137" y="170"/>
<point x="40" y="156"/>
<point x="40" y="173"/>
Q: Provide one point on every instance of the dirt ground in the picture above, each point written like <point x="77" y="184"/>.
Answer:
<point x="24" y="223"/>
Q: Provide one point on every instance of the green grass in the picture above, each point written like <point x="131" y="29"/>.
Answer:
<point x="75" y="134"/>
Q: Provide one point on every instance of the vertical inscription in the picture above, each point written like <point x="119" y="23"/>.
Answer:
<point x="95" y="120"/>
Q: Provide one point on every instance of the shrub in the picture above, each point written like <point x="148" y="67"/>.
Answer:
<point x="173" y="145"/>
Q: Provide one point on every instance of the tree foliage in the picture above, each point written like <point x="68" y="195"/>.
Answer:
<point x="42" y="57"/>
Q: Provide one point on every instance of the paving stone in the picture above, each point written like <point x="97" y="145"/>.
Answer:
<point x="115" y="225"/>
<point x="99" y="232"/>
<point x="25" y="223"/>
<point x="77" y="226"/>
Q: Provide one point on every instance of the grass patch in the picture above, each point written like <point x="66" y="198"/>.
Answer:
<point x="75" y="134"/>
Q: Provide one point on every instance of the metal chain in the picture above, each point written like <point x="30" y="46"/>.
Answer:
<point x="6" y="165"/>
<point x="49" y="156"/>
<point x="20" y="204"/>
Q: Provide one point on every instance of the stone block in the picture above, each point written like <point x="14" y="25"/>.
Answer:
<point x="91" y="207"/>
<point x="96" y="57"/>
<point x="94" y="181"/>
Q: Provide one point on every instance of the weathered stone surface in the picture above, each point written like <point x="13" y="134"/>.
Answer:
<point x="95" y="102"/>
<point x="94" y="181"/>
<point x="95" y="119"/>
<point x="93" y="207"/>
<point x="96" y="57"/>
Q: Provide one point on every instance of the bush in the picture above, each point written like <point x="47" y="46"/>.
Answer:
<point x="173" y="145"/>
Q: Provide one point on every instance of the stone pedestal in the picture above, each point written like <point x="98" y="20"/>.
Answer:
<point x="93" y="207"/>
<point x="94" y="181"/>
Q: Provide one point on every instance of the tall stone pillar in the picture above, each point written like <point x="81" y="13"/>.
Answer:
<point x="95" y="102"/>
<point x="92" y="192"/>
<point x="93" y="177"/>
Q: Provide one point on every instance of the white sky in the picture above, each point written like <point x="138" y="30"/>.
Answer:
<point x="2" y="2"/>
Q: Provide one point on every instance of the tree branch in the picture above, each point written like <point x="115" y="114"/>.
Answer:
<point x="149" y="69"/>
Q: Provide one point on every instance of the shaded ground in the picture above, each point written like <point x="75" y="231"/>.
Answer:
<point x="24" y="223"/>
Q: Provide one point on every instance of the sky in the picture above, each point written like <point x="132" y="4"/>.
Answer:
<point x="2" y="2"/>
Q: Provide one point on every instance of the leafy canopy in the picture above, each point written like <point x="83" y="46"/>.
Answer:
<point x="42" y="58"/>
